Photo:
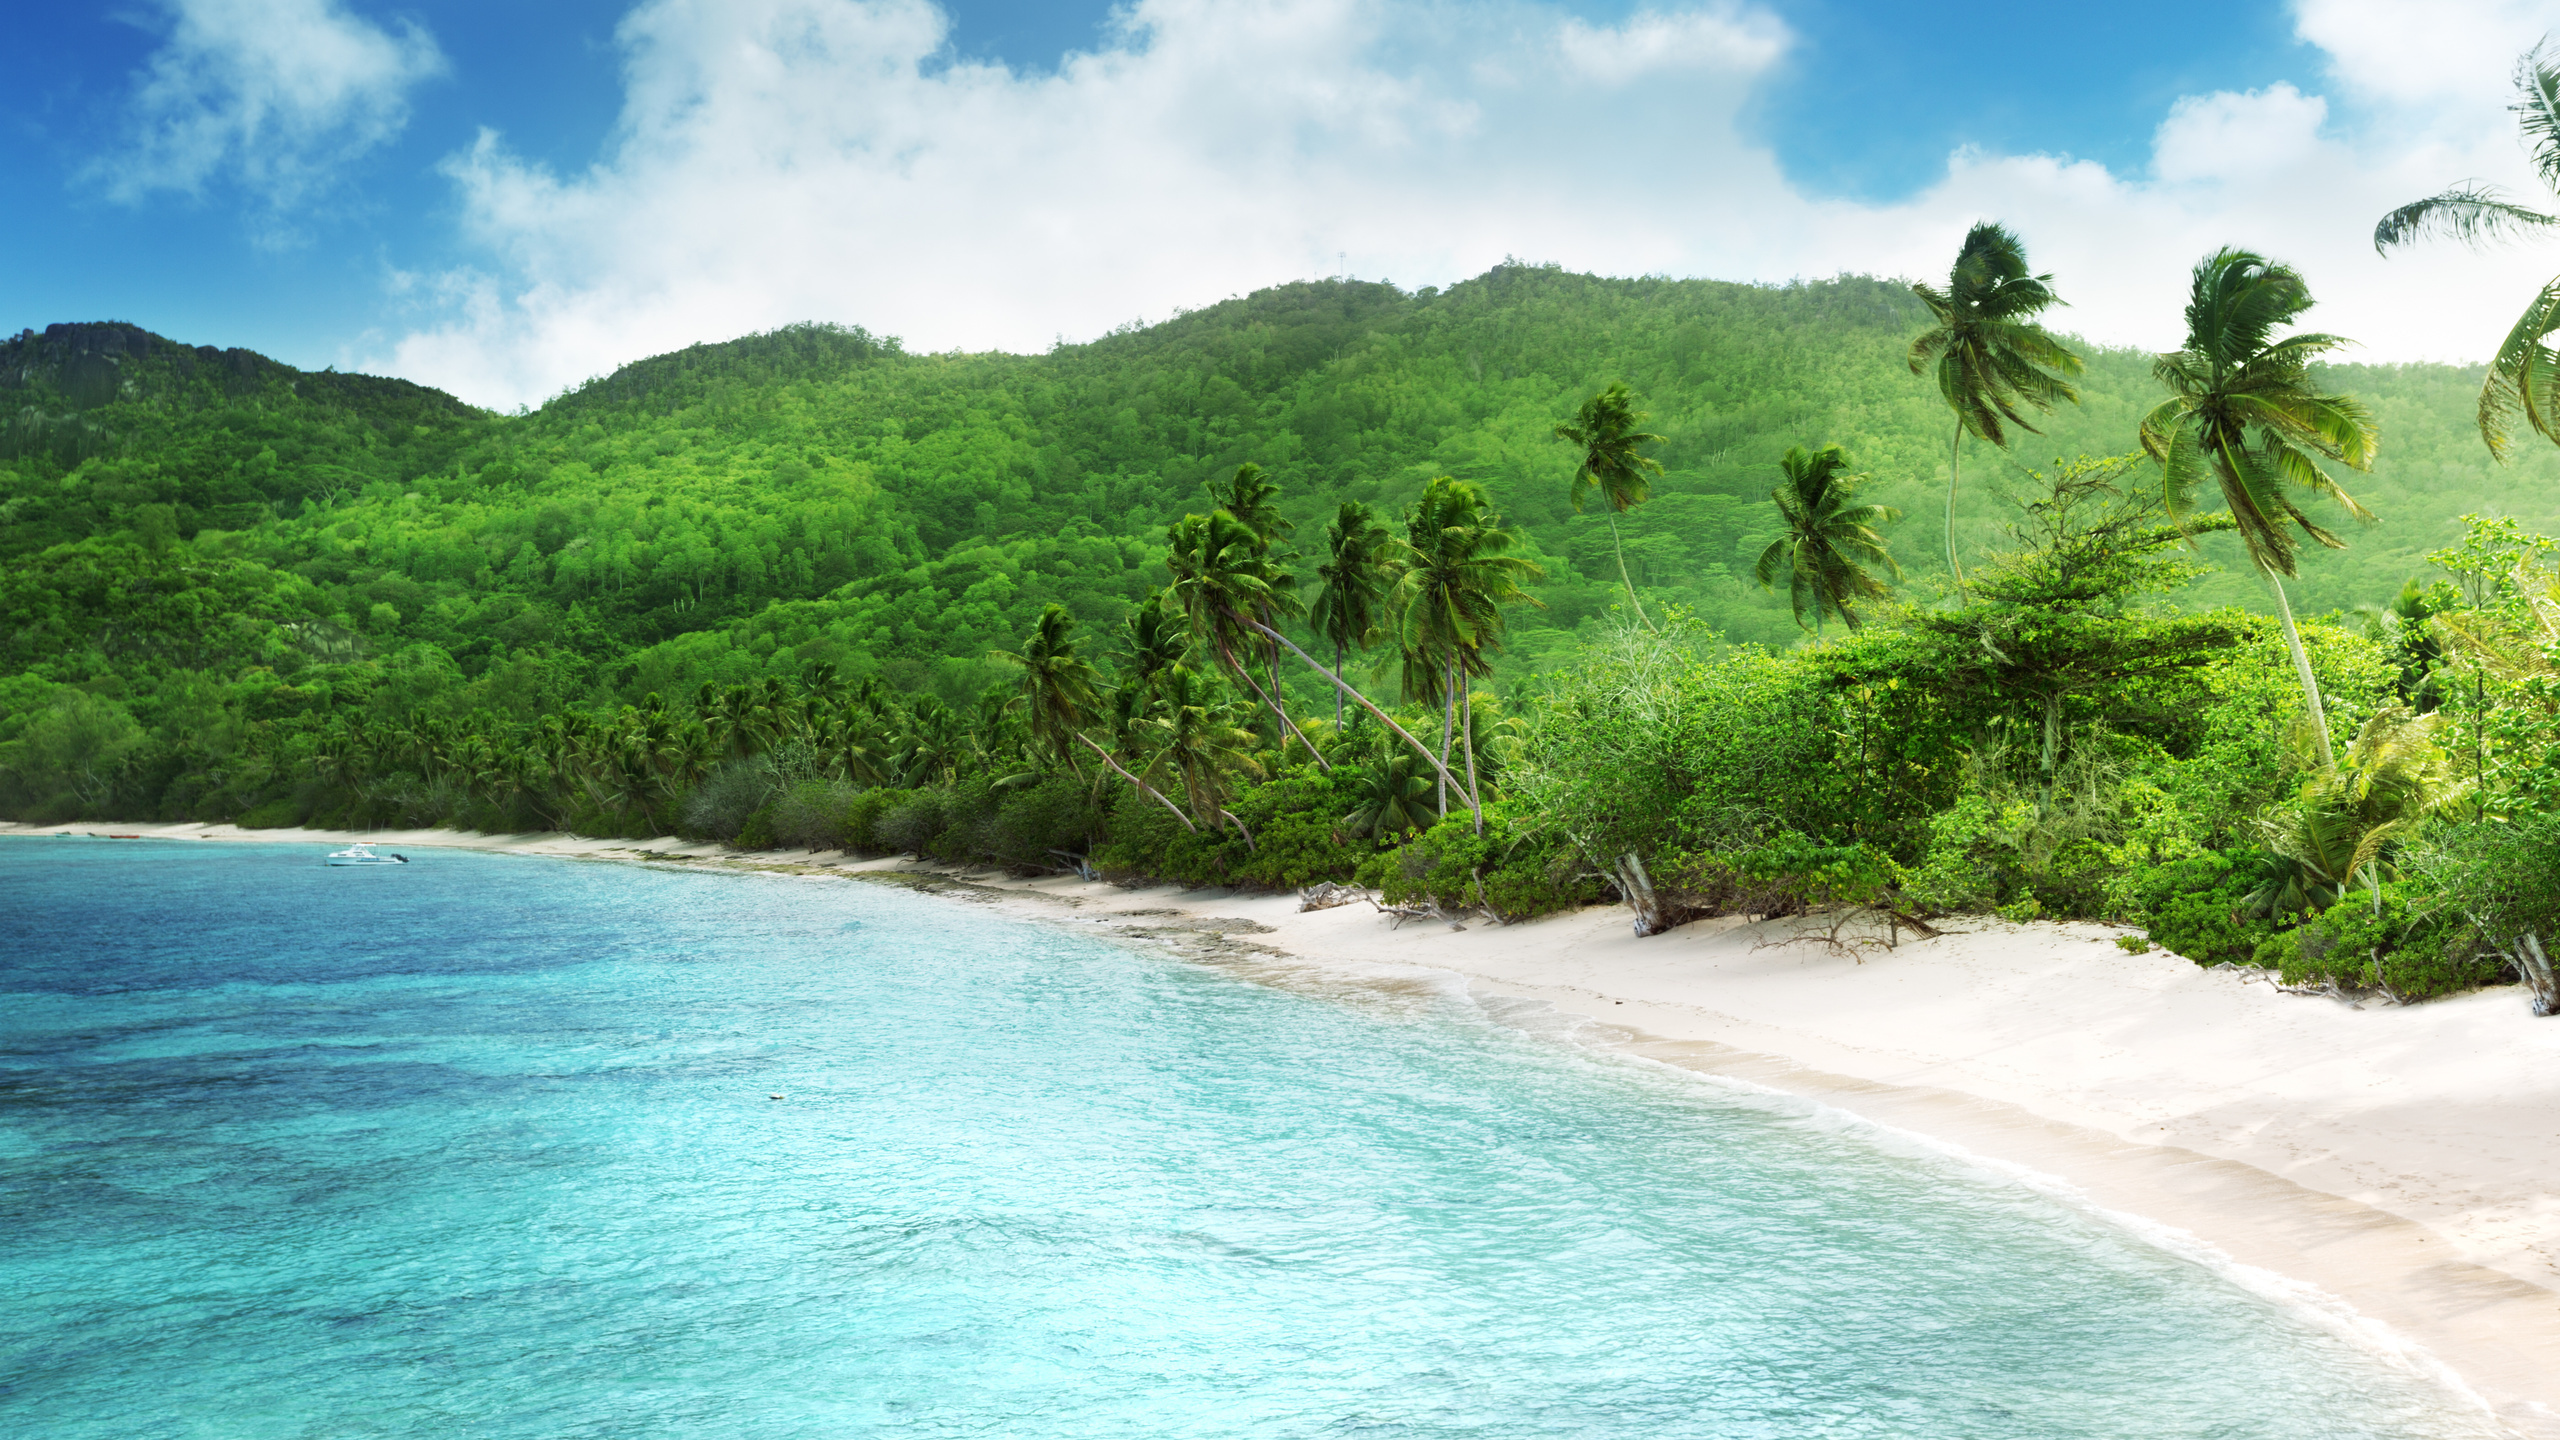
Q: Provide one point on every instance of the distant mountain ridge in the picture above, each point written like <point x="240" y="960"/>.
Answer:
<point x="819" y="492"/>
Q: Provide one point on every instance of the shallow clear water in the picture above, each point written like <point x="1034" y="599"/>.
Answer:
<point x="481" y="1147"/>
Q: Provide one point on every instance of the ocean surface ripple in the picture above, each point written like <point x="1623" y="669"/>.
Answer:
<point x="482" y="1146"/>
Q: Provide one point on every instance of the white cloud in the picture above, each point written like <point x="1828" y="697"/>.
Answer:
<point x="782" y="160"/>
<point x="276" y="94"/>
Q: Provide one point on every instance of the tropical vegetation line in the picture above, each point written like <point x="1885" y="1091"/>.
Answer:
<point x="688" y="620"/>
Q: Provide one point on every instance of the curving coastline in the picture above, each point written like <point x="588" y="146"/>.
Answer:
<point x="2399" y="1160"/>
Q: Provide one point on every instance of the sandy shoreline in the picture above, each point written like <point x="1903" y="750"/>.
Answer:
<point x="2401" y="1160"/>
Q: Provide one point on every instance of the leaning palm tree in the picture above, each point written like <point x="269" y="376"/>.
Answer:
<point x="1830" y="538"/>
<point x="1060" y="691"/>
<point x="1990" y="356"/>
<point x="1219" y="579"/>
<point x="1350" y="598"/>
<point x="1448" y="605"/>
<point x="2242" y="411"/>
<point x="2524" y="379"/>
<point x="1604" y="430"/>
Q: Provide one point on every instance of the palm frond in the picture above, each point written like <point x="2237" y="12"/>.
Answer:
<point x="2473" y="212"/>
<point x="2520" y="377"/>
<point x="2537" y="110"/>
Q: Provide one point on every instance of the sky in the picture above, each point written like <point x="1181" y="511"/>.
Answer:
<point x="504" y="200"/>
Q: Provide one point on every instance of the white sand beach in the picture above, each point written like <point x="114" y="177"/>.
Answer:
<point x="2401" y="1162"/>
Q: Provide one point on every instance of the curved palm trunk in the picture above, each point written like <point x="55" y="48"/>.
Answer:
<point x="1345" y="687"/>
<point x="1615" y="544"/>
<point x="1955" y="454"/>
<point x="1141" y="784"/>
<point x="1467" y="737"/>
<point x="2302" y="670"/>
<point x="1289" y="726"/>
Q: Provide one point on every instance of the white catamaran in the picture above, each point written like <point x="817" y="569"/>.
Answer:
<point x="362" y="854"/>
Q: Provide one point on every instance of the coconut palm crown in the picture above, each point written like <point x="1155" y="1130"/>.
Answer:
<point x="1991" y="360"/>
<point x="1830" y="538"/>
<point x="1604" y="430"/>
<point x="2524" y="378"/>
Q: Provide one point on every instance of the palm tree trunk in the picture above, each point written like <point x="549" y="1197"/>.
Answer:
<point x="1467" y="712"/>
<point x="1955" y="449"/>
<point x="1632" y="601"/>
<point x="1345" y="687"/>
<point x="2302" y="671"/>
<point x="1337" y="695"/>
<point x="1448" y="717"/>
<point x="1143" y="785"/>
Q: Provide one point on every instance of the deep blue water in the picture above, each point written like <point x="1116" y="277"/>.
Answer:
<point x="481" y="1147"/>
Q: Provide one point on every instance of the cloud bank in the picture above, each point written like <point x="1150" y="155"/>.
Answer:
<point x="782" y="160"/>
<point x="277" y="95"/>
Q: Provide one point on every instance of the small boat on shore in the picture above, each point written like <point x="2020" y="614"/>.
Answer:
<point x="362" y="854"/>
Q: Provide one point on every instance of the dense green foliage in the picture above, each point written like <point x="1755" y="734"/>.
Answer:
<point x="1075" y="611"/>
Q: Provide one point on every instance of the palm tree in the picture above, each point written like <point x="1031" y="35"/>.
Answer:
<point x="1253" y="498"/>
<point x="2241" y="408"/>
<point x="1391" y="792"/>
<point x="1230" y="589"/>
<point x="1059" y="690"/>
<point x="1830" y="538"/>
<point x="1990" y="355"/>
<point x="1355" y="576"/>
<point x="1604" y="430"/>
<point x="1448" y="604"/>
<point x="1201" y="744"/>
<point x="2521" y="378"/>
<point x="2395" y="777"/>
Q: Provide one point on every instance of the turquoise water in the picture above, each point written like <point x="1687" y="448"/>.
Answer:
<point x="481" y="1147"/>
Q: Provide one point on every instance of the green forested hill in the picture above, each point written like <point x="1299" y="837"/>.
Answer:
<point x="210" y="533"/>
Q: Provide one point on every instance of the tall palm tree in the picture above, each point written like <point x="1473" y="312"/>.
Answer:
<point x="2524" y="378"/>
<point x="2241" y="409"/>
<point x="1830" y="538"/>
<point x="1350" y="600"/>
<point x="1991" y="357"/>
<point x="1448" y="604"/>
<point x="1604" y="430"/>
<point x="1059" y="691"/>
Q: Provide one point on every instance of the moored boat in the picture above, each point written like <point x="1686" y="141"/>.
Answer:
<point x="362" y="854"/>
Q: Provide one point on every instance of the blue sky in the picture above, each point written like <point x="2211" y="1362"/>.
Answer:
<point x="370" y="232"/>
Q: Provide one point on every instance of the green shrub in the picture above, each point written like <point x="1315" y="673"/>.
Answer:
<point x="811" y="815"/>
<point x="274" y="815"/>
<point x="860" y="827"/>
<point x="1516" y="871"/>
<point x="719" y="807"/>
<point x="1783" y="874"/>
<point x="757" y="832"/>
<point x="2198" y="907"/>
<point x="2397" y="947"/>
<point x="1296" y="823"/>
<point x="910" y="823"/>
<point x="1044" y="825"/>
